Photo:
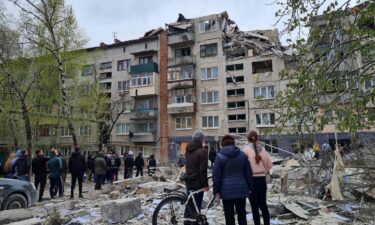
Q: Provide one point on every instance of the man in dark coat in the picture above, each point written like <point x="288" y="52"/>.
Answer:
<point x="22" y="166"/>
<point x="115" y="163"/>
<point x="54" y="166"/>
<point x="90" y="166"/>
<point x="77" y="167"/>
<point x="139" y="163"/>
<point x="196" y="169"/>
<point x="39" y="168"/>
<point x="129" y="164"/>
<point x="212" y="157"/>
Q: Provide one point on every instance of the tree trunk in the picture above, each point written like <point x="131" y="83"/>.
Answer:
<point x="28" y="130"/>
<point x="13" y="128"/>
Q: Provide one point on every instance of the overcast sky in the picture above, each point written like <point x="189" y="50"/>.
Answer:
<point x="132" y="18"/>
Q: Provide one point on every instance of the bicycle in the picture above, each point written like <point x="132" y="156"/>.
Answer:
<point x="176" y="198"/>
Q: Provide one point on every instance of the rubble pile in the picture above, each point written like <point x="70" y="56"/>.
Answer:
<point x="301" y="190"/>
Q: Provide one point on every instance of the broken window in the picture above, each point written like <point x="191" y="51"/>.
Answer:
<point x="238" y="79"/>
<point x="105" y="65"/>
<point x="145" y="60"/>
<point x="209" y="73"/>
<point x="235" y="117"/>
<point x="208" y="50"/>
<point x="266" y="92"/>
<point x="237" y="130"/>
<point x="87" y="70"/>
<point x="262" y="66"/>
<point x="210" y="121"/>
<point x="236" y="92"/>
<point x="236" y="105"/>
<point x="47" y="130"/>
<point x="235" y="67"/>
<point x="182" y="52"/>
<point x="124" y="65"/>
<point x="265" y="119"/>
<point x="207" y="25"/>
<point x="103" y="76"/>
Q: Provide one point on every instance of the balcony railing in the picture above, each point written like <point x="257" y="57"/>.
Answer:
<point x="143" y="114"/>
<point x="180" y="75"/>
<point x="181" y="61"/>
<point x="144" y="68"/>
<point x="181" y="99"/>
<point x="177" y="39"/>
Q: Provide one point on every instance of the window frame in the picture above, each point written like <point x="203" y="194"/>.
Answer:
<point x="121" y="68"/>
<point x="236" y="90"/>
<point x="184" y="121"/>
<point x="205" y="120"/>
<point x="203" y="26"/>
<point x="208" y="50"/>
<point x="205" y="98"/>
<point x="213" y="76"/>
<point x="267" y="91"/>
<point x="124" y="128"/>
<point x="270" y="119"/>
<point x="105" y="65"/>
<point x="236" y="103"/>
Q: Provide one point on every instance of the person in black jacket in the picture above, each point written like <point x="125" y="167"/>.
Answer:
<point x="39" y="168"/>
<point x="151" y="165"/>
<point x="22" y="166"/>
<point x="129" y="164"/>
<point x="115" y="163"/>
<point x="196" y="169"/>
<point x="233" y="181"/>
<point x="139" y="163"/>
<point x="90" y="166"/>
<point x="77" y="167"/>
<point x="212" y="157"/>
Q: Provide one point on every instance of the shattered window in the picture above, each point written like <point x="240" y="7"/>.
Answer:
<point x="208" y="50"/>
<point x="235" y="67"/>
<point x="207" y="25"/>
<point x="87" y="70"/>
<point x="236" y="105"/>
<point x="262" y="66"/>
<point x="235" y="92"/>
<point x="239" y="130"/>
<point x="182" y="52"/>
<point x="238" y="79"/>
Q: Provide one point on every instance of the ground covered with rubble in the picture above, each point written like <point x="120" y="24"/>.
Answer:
<point x="301" y="190"/>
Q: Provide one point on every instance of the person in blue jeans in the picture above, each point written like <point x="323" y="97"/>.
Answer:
<point x="233" y="181"/>
<point x="196" y="170"/>
<point x="54" y="167"/>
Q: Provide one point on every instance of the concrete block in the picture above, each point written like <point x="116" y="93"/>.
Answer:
<point x="120" y="210"/>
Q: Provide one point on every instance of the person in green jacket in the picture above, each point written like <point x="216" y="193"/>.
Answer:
<point x="54" y="167"/>
<point x="100" y="166"/>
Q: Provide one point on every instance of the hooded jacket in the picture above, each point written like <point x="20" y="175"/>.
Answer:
<point x="232" y="174"/>
<point x="100" y="165"/>
<point x="196" y="166"/>
<point x="22" y="166"/>
<point x="77" y="163"/>
<point x="54" y="166"/>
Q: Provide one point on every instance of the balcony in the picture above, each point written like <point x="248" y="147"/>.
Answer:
<point x="181" y="61"/>
<point x="181" y="104"/>
<point x="143" y="85"/>
<point x="143" y="137"/>
<point x="143" y="114"/>
<point x="144" y="68"/>
<point x="181" y="39"/>
<point x="143" y="132"/>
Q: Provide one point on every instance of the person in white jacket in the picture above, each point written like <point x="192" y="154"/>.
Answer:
<point x="260" y="164"/>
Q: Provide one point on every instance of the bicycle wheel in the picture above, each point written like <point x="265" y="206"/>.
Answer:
<point x="170" y="211"/>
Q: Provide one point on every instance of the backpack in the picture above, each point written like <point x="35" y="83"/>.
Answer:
<point x="113" y="162"/>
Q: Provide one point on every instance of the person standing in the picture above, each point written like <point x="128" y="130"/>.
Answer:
<point x="181" y="161"/>
<point x="77" y="167"/>
<point x="261" y="164"/>
<point x="115" y="165"/>
<point x="39" y="168"/>
<point x="100" y="168"/>
<point x="54" y="166"/>
<point x="129" y="164"/>
<point x="139" y="163"/>
<point x="8" y="166"/>
<point x="151" y="165"/>
<point x="196" y="169"/>
<point x="232" y="178"/>
<point x="22" y="166"/>
<point x="90" y="166"/>
<point x="212" y="157"/>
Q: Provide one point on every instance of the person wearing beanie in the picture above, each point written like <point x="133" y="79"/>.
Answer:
<point x="261" y="164"/>
<point x="196" y="169"/>
<point x="232" y="180"/>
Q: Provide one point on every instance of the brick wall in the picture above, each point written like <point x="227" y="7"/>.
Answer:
<point x="163" y="97"/>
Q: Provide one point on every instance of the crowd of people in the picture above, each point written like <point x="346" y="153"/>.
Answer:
<point x="237" y="175"/>
<point x="100" y="167"/>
